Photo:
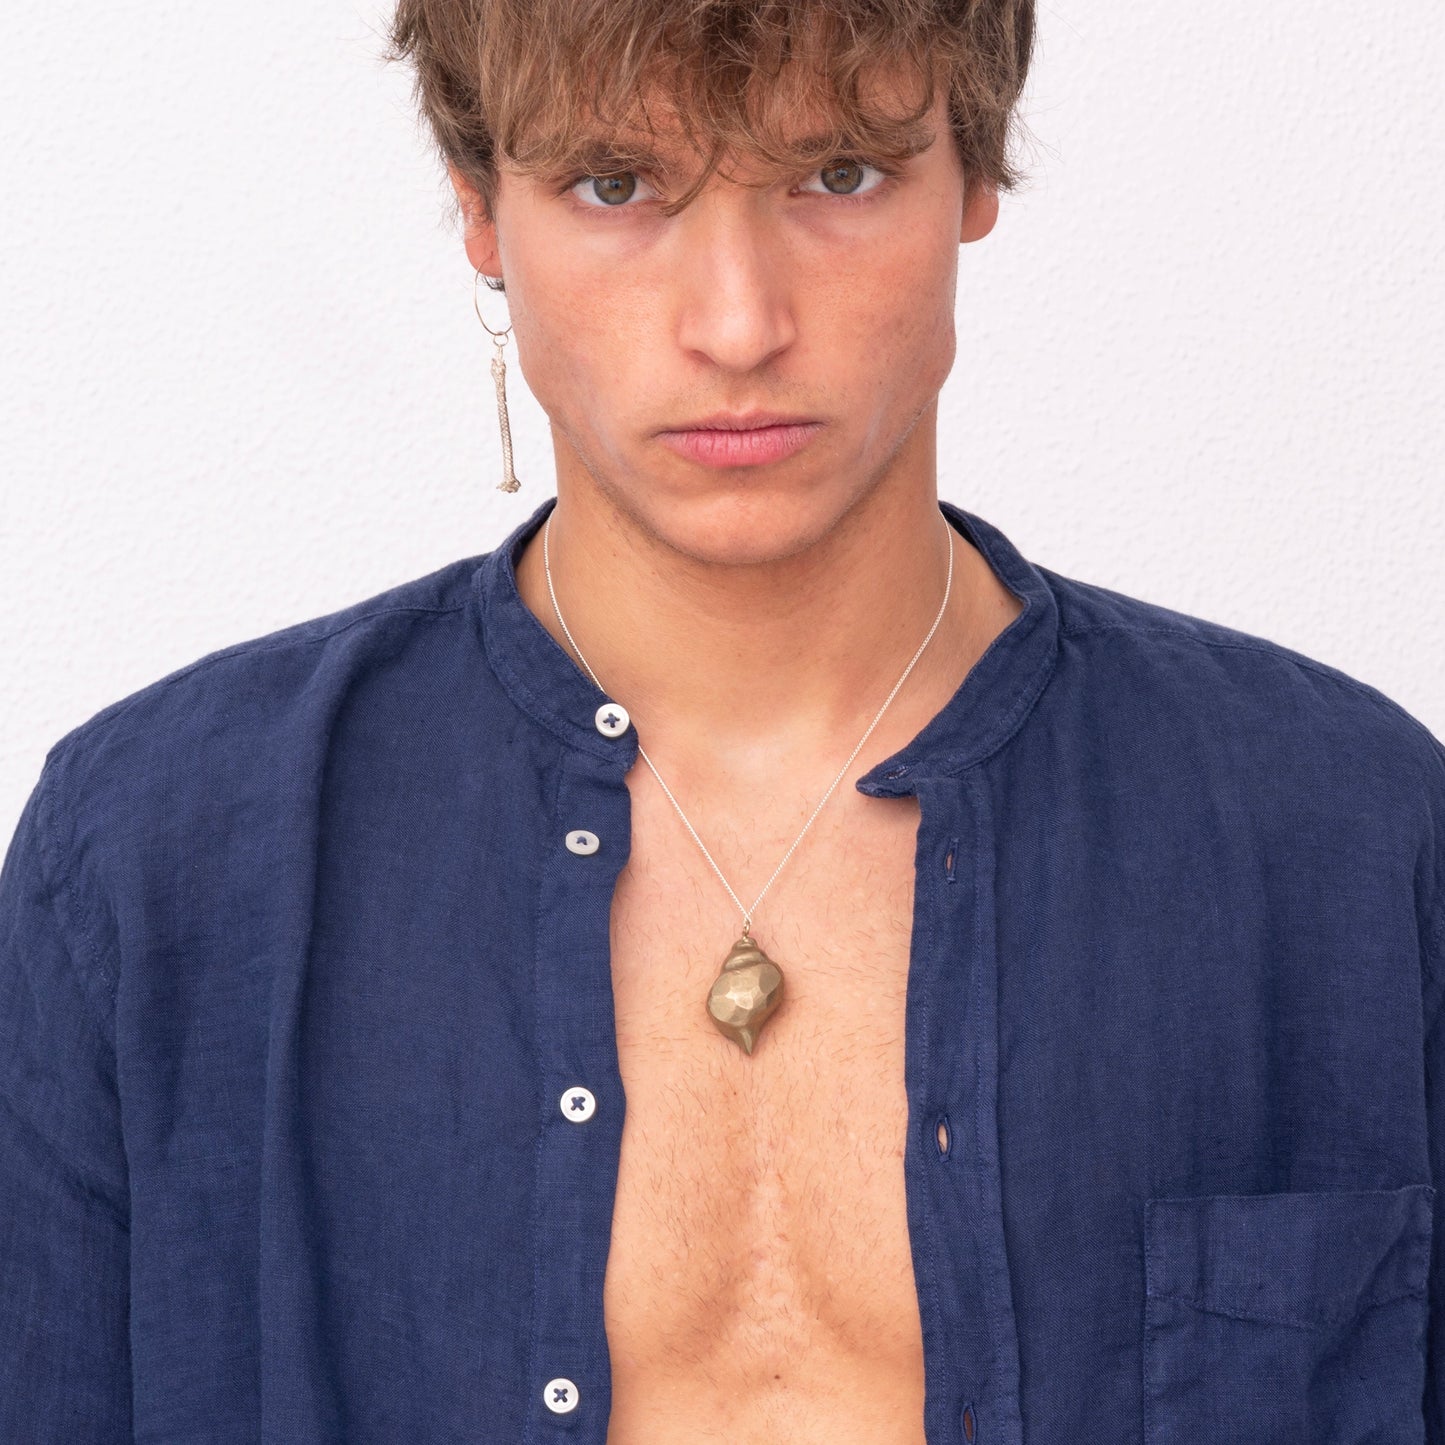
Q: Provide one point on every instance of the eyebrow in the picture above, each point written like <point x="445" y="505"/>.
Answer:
<point x="601" y="156"/>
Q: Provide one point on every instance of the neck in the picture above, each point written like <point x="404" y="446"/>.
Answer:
<point x="755" y="666"/>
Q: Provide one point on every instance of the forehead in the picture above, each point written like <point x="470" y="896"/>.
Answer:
<point x="667" y="127"/>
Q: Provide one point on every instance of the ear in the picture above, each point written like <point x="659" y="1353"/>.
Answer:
<point x="980" y="209"/>
<point x="481" y="230"/>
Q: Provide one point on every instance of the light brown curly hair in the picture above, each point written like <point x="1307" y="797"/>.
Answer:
<point x="535" y="82"/>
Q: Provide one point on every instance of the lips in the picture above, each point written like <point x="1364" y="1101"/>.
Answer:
<point x="741" y="421"/>
<point x="734" y="445"/>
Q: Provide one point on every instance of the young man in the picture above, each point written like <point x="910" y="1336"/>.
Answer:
<point x="392" y="1050"/>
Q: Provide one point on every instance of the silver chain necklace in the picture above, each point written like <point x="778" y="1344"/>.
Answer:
<point x="749" y="987"/>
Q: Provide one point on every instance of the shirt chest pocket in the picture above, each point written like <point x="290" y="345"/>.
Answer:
<point x="1287" y="1319"/>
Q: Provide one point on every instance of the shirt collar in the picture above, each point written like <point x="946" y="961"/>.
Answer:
<point x="986" y="710"/>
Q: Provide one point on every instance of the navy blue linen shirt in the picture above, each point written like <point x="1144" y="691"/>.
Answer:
<point x="298" y="978"/>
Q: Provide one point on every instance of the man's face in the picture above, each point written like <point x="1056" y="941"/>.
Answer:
<point x="826" y="295"/>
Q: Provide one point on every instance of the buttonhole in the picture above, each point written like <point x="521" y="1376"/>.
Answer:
<point x="950" y="861"/>
<point x="968" y="1424"/>
<point x="942" y="1137"/>
<point x="897" y="772"/>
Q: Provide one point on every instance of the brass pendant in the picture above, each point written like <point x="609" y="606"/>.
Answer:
<point x="745" y="994"/>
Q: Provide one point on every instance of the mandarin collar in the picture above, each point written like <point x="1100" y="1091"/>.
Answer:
<point x="988" y="707"/>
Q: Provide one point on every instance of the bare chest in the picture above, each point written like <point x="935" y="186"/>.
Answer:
<point x="759" y="1280"/>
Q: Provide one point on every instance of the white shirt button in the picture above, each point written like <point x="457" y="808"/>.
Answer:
<point x="578" y="1104"/>
<point x="560" y="1395"/>
<point x="612" y="719"/>
<point x="579" y="840"/>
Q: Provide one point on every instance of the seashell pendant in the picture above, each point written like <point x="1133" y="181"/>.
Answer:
<point x="745" y="994"/>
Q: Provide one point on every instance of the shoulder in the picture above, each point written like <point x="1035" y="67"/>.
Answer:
<point x="1145" y="656"/>
<point x="1276" y="746"/>
<point x="204" y="756"/>
<point x="1266" y="736"/>
<point x="247" y="688"/>
<point x="1280" y="747"/>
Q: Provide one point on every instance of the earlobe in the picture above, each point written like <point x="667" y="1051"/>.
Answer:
<point x="980" y="211"/>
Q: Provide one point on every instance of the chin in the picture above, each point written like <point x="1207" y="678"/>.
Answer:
<point x="742" y="523"/>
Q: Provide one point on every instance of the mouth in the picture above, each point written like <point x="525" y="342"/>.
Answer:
<point x="740" y="439"/>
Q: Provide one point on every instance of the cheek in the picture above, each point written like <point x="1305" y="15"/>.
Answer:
<point x="578" y="336"/>
<point x="902" y="328"/>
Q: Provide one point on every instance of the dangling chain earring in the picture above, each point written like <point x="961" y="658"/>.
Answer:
<point x="509" y="482"/>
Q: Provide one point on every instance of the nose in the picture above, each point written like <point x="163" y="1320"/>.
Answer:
<point x="735" y="308"/>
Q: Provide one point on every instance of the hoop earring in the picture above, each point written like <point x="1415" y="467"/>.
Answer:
<point x="509" y="482"/>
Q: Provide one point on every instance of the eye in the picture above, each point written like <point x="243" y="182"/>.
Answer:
<point x="845" y="177"/>
<point x="606" y="192"/>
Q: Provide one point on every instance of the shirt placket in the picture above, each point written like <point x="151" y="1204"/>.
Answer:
<point x="581" y="1098"/>
<point x="951" y="1158"/>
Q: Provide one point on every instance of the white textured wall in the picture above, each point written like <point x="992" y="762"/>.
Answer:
<point x="242" y="384"/>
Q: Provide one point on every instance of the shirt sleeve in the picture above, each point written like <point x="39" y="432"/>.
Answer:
<point x="64" y="1195"/>
<point x="1434" y="994"/>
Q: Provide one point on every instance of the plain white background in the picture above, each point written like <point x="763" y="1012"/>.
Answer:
<point x="242" y="384"/>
